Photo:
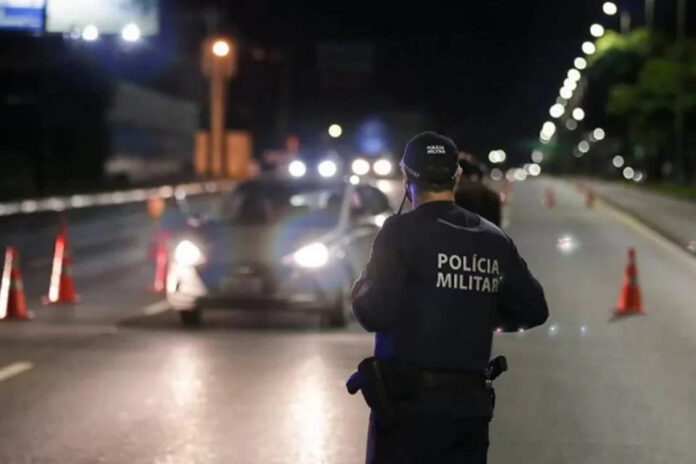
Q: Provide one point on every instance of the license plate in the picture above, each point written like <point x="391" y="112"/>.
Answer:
<point x="242" y="285"/>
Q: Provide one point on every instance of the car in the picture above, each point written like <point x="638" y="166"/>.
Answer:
<point x="276" y="243"/>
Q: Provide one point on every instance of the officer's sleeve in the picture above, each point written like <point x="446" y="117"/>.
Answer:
<point x="376" y="294"/>
<point x="522" y="301"/>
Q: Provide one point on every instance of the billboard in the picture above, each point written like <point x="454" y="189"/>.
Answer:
<point x="22" y="15"/>
<point x="109" y="16"/>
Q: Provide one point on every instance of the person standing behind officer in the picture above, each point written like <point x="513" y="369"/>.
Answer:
<point x="472" y="194"/>
<point x="439" y="281"/>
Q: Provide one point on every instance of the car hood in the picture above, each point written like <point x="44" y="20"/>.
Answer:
<point x="226" y="243"/>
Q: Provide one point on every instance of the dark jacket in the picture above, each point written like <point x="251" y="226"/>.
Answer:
<point x="439" y="281"/>
<point x="479" y="199"/>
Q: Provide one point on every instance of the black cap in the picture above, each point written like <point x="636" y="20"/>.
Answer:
<point x="430" y="158"/>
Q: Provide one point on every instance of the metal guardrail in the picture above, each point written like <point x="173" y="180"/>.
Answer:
<point x="118" y="197"/>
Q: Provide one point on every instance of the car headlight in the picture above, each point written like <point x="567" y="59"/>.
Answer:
<point x="360" y="167"/>
<point x="383" y="167"/>
<point x="312" y="256"/>
<point x="297" y="168"/>
<point x="327" y="168"/>
<point x="188" y="253"/>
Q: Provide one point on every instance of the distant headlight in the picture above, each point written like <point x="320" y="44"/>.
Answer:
<point x="360" y="167"/>
<point x="312" y="256"/>
<point x="327" y="168"/>
<point x="297" y="168"/>
<point x="188" y="253"/>
<point x="383" y="167"/>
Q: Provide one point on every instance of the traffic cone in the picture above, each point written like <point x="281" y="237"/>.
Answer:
<point x="62" y="288"/>
<point x="549" y="198"/>
<point x="590" y="198"/>
<point x="161" y="263"/>
<point x="630" y="301"/>
<point x="13" y="303"/>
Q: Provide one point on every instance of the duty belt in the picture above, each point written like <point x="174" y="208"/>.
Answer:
<point x="456" y="380"/>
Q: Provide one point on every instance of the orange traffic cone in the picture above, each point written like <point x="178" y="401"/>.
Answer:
<point x="161" y="263"/>
<point x="549" y="198"/>
<point x="62" y="288"/>
<point x="590" y="198"/>
<point x="630" y="301"/>
<point x="13" y="303"/>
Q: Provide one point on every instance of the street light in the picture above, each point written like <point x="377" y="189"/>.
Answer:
<point x="218" y="63"/>
<point x="497" y="156"/>
<point x="578" y="114"/>
<point x="556" y="111"/>
<point x="574" y="75"/>
<point x="597" y="30"/>
<point x="580" y="63"/>
<point x="90" y="33"/>
<point x="548" y="129"/>
<point x="570" y="84"/>
<point x="584" y="146"/>
<point x="588" y="48"/>
<point x="221" y="48"/>
<point x="130" y="32"/>
<point x="610" y="8"/>
<point x="537" y="156"/>
<point x="567" y="93"/>
<point x="335" y="131"/>
<point x="598" y="134"/>
<point x="618" y="161"/>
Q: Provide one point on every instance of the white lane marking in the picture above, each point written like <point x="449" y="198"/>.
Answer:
<point x="648" y="232"/>
<point x="156" y="308"/>
<point x="14" y="369"/>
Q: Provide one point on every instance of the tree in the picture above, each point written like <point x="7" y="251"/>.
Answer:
<point x="647" y="105"/>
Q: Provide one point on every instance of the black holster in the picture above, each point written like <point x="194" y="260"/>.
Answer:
<point x="371" y="380"/>
<point x="385" y="385"/>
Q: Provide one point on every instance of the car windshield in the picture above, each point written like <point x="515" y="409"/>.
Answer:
<point x="263" y="203"/>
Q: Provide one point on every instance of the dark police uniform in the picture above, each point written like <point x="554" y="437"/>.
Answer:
<point x="479" y="199"/>
<point x="439" y="281"/>
<point x="472" y="194"/>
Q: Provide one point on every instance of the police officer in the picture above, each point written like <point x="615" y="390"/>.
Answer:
<point x="472" y="194"/>
<point x="439" y="281"/>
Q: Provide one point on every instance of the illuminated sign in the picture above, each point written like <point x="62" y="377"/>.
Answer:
<point x="107" y="16"/>
<point x="22" y="15"/>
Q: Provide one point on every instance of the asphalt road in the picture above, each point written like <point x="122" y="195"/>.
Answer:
<point x="116" y="380"/>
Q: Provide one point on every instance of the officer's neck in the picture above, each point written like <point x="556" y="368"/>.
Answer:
<point x="430" y="197"/>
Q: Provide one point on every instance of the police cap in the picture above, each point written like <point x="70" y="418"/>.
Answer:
<point x="430" y="158"/>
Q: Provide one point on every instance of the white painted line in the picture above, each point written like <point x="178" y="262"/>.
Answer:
<point x="14" y="369"/>
<point x="156" y="308"/>
<point x="646" y="231"/>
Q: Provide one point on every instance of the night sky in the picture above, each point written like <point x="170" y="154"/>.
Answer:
<point x="485" y="71"/>
<point x="488" y="70"/>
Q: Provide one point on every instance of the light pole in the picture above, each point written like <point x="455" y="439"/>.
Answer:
<point x="625" y="22"/>
<point x="219" y="62"/>
<point x="650" y="14"/>
<point x="679" y="110"/>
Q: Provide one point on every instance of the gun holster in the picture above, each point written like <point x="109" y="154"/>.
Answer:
<point x="371" y="380"/>
<point x="496" y="367"/>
